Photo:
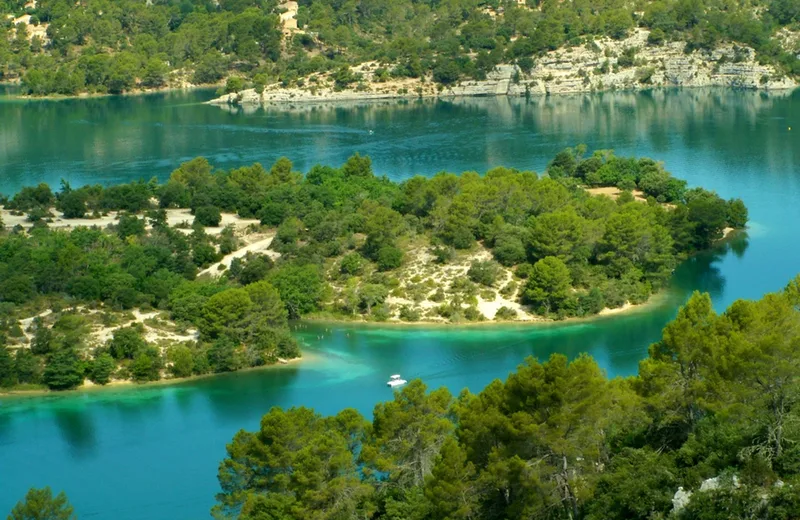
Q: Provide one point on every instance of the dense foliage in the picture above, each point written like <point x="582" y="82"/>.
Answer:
<point x="341" y="234"/>
<point x="116" y="46"/>
<point x="716" y="400"/>
<point x="40" y="504"/>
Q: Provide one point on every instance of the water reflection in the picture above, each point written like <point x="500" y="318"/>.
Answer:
<point x="237" y="397"/>
<point x="77" y="430"/>
<point x="123" y="138"/>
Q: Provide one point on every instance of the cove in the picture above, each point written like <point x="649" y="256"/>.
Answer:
<point x="152" y="452"/>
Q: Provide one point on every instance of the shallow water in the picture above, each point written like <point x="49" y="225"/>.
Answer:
<point x="152" y="452"/>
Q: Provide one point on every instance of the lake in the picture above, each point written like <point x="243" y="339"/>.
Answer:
<point x="152" y="452"/>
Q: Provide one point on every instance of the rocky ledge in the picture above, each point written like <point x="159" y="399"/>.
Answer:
<point x="603" y="64"/>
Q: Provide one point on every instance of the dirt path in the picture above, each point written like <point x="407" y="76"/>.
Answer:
<point x="260" y="246"/>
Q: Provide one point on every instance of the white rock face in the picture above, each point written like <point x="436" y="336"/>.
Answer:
<point x="680" y="500"/>
<point x="588" y="68"/>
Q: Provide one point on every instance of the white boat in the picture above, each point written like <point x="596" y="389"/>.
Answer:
<point x="396" y="380"/>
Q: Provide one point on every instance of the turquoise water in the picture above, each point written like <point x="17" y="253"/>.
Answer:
<point x="153" y="452"/>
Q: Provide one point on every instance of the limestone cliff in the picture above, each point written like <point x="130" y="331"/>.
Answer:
<point x="603" y="64"/>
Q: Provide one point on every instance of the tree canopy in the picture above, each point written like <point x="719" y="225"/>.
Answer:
<point x="115" y="46"/>
<point x="343" y="238"/>
<point x="714" y="410"/>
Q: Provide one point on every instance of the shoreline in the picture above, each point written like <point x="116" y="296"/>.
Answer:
<point x="365" y="97"/>
<point x="88" y="387"/>
<point x="99" y="95"/>
<point x="627" y="309"/>
<point x="353" y="96"/>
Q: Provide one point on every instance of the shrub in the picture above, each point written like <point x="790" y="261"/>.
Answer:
<point x="473" y="314"/>
<point x="627" y="58"/>
<point x="389" y="257"/>
<point x="509" y="250"/>
<point x="437" y="296"/>
<point x="209" y="216"/>
<point x="443" y="254"/>
<point x="656" y="37"/>
<point x="484" y="272"/>
<point x="352" y="264"/>
<point x="505" y="313"/>
<point x="408" y="313"/>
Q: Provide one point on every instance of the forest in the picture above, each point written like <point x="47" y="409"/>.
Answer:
<point x="341" y="240"/>
<point x="712" y="413"/>
<point x="707" y="430"/>
<point x="104" y="46"/>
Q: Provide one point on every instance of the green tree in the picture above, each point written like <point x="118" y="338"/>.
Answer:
<point x="147" y="365"/>
<point x="28" y="367"/>
<point x="351" y="264"/>
<point x="389" y="257"/>
<point x="130" y="225"/>
<point x="267" y="304"/>
<point x="407" y="434"/>
<point x="63" y="370"/>
<point x="300" y="287"/>
<point x="223" y="312"/>
<point x="126" y="342"/>
<point x="484" y="272"/>
<point x="73" y="204"/>
<point x="181" y="361"/>
<point x="103" y="368"/>
<point x="297" y="465"/>
<point x="40" y="504"/>
<point x="155" y="73"/>
<point x="207" y="216"/>
<point x="561" y="234"/>
<point x="453" y="490"/>
<point x="8" y="376"/>
<point x="372" y="294"/>
<point x="548" y="285"/>
<point x="737" y="214"/>
<point x="709" y="214"/>
<point x="677" y="373"/>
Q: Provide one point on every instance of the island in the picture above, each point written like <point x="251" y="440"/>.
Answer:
<point x="203" y="273"/>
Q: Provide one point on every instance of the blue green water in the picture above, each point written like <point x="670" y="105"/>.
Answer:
<point x="153" y="452"/>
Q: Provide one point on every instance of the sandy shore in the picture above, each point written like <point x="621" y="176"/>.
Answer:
<point x="627" y="309"/>
<point x="97" y="95"/>
<point x="88" y="386"/>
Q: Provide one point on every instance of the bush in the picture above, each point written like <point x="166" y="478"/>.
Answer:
<point x="437" y="296"/>
<point x="737" y="214"/>
<point x="644" y="74"/>
<point x="446" y="71"/>
<point x="443" y="254"/>
<point x="508" y="290"/>
<point x="234" y="84"/>
<point x="627" y="58"/>
<point x="209" y="216"/>
<point x="505" y="313"/>
<point x="352" y="264"/>
<point x="509" y="250"/>
<point x="473" y="314"/>
<point x="102" y="369"/>
<point x="389" y="257"/>
<point x="524" y="270"/>
<point x="484" y="272"/>
<point x="656" y="37"/>
<point x="408" y="313"/>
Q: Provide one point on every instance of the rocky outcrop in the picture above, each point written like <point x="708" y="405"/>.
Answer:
<point x="603" y="64"/>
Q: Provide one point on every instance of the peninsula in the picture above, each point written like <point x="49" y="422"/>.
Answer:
<point x="202" y="273"/>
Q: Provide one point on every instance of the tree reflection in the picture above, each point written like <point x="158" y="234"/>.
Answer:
<point x="78" y="430"/>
